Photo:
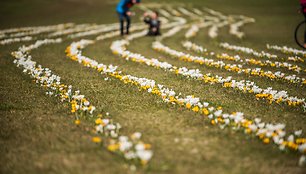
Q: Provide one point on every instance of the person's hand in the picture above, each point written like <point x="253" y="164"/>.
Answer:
<point x="129" y="13"/>
<point x="154" y="29"/>
<point x="145" y="14"/>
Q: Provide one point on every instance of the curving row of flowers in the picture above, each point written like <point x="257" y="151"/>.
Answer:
<point x="174" y="12"/>
<point x="235" y="26"/>
<point x="263" y="63"/>
<point x="234" y="22"/>
<point x="26" y="34"/>
<point x="288" y="50"/>
<point x="107" y="132"/>
<point x="268" y="133"/>
<point x="217" y="21"/>
<point x="197" y="11"/>
<point x="75" y="29"/>
<point x="41" y="30"/>
<point x="97" y="30"/>
<point x="261" y="54"/>
<point x="28" y="31"/>
<point x="238" y="68"/>
<point x="16" y="40"/>
<point x="196" y="48"/>
<point x="192" y="32"/>
<point x="186" y="12"/>
<point x="214" y="29"/>
<point x="165" y="13"/>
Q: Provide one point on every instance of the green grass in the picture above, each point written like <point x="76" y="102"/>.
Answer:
<point x="37" y="133"/>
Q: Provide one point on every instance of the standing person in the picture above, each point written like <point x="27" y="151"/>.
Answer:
<point x="153" y="22"/>
<point x="123" y="10"/>
<point x="303" y="10"/>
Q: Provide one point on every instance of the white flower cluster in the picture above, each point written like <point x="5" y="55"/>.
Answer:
<point x="134" y="150"/>
<point x="296" y="59"/>
<point x="165" y="13"/>
<point x="44" y="29"/>
<point x="274" y="64"/>
<point x="75" y="51"/>
<point x="118" y="47"/>
<point x="174" y="12"/>
<point x="215" y="22"/>
<point x="261" y="54"/>
<point x="98" y="30"/>
<point x="215" y="13"/>
<point x="46" y="78"/>
<point x="172" y="32"/>
<point x="213" y="30"/>
<point x="131" y="148"/>
<point x="221" y="20"/>
<point x="187" y="12"/>
<point x="238" y="68"/>
<point x="15" y="40"/>
<point x="197" y="11"/>
<point x="27" y="31"/>
<point x="235" y="27"/>
<point x="195" y="28"/>
<point x="269" y="63"/>
<point x="13" y="30"/>
<point x="287" y="50"/>
<point x="194" y="47"/>
<point x="108" y="35"/>
<point x="177" y="21"/>
<point x="25" y="34"/>
<point x="117" y="33"/>
<point x="75" y="29"/>
<point x="248" y="51"/>
<point x="137" y="35"/>
<point x="39" y="43"/>
<point x="192" y="31"/>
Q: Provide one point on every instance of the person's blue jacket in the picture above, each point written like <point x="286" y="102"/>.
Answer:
<point x="124" y="6"/>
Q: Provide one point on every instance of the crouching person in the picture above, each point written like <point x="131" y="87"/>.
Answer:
<point x="154" y="23"/>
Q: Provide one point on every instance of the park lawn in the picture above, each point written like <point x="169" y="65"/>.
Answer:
<point x="37" y="133"/>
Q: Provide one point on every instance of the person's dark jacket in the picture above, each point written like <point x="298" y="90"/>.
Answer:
<point x="154" y="26"/>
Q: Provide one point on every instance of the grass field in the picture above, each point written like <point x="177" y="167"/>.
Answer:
<point x="38" y="135"/>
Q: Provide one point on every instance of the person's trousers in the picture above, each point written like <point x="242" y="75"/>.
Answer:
<point x="124" y="17"/>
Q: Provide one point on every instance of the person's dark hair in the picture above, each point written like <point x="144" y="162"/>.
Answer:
<point x="156" y="12"/>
